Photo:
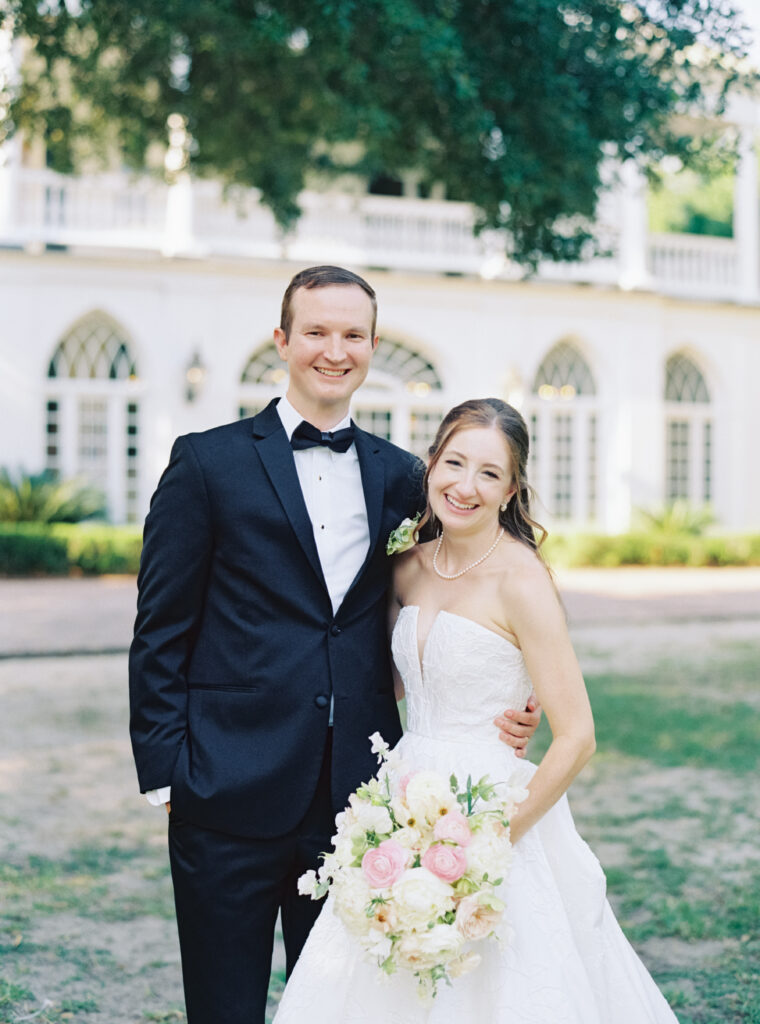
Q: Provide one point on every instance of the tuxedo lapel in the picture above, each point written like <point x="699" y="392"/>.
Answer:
<point x="373" y="482"/>
<point x="275" y="452"/>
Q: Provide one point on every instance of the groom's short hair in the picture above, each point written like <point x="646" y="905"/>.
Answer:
<point x="321" y="277"/>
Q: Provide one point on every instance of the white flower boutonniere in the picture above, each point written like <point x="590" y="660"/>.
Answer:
<point x="403" y="537"/>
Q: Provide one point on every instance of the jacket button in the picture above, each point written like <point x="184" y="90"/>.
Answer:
<point x="321" y="701"/>
<point x="335" y="630"/>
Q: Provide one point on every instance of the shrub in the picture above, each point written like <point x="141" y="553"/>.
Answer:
<point x="652" y="548"/>
<point x="25" y="552"/>
<point x="41" y="498"/>
<point x="36" y="549"/>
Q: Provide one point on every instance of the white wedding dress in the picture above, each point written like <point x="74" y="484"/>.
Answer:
<point x="564" y="959"/>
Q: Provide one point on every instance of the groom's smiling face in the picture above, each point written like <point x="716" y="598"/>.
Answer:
<point x="328" y="349"/>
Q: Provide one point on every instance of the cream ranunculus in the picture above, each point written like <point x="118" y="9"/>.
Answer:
<point x="419" y="898"/>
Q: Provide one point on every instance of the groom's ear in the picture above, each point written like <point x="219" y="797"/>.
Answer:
<point x="375" y="341"/>
<point x="281" y="342"/>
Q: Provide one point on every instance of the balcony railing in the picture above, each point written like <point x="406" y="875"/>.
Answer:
<point x="43" y="209"/>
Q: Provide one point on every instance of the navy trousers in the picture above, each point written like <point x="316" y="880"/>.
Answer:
<point x="228" y="891"/>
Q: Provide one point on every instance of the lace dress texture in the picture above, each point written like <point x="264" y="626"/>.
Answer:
<point x="564" y="959"/>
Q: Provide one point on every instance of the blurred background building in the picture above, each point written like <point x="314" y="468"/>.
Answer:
<point x="135" y="310"/>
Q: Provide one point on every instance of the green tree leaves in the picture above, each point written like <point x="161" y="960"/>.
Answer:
<point x="509" y="103"/>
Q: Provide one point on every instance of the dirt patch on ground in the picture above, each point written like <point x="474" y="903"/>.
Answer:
<point x="87" y="928"/>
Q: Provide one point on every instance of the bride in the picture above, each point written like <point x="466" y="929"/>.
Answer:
<point x="476" y="621"/>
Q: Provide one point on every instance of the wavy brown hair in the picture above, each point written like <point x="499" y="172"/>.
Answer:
<point x="492" y="412"/>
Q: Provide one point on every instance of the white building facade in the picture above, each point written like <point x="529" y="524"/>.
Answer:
<point x="133" y="312"/>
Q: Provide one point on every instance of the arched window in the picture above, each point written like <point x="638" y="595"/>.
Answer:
<point x="688" y="433"/>
<point x="400" y="400"/>
<point x="563" y="422"/>
<point x="95" y="349"/>
<point x="92" y="412"/>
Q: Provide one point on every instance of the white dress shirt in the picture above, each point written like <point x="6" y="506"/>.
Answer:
<point x="332" y="489"/>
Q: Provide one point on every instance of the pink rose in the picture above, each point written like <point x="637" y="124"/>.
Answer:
<point x="448" y="863"/>
<point x="384" y="864"/>
<point x="453" y="828"/>
<point x="476" y="920"/>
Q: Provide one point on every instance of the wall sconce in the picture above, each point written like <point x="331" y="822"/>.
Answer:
<point x="195" y="375"/>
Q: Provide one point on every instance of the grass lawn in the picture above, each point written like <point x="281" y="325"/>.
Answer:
<point x="669" y="803"/>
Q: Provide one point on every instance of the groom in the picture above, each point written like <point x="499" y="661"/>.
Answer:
<point x="260" y="664"/>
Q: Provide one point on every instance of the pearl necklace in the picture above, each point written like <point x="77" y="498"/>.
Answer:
<point x="461" y="572"/>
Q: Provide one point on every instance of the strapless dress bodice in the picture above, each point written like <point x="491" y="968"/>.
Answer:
<point x="468" y="675"/>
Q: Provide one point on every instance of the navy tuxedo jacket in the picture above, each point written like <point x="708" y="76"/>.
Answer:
<point x="236" y="650"/>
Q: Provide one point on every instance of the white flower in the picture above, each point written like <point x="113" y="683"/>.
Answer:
<point x="307" y="884"/>
<point x="377" y="944"/>
<point x="352" y="896"/>
<point x="488" y="853"/>
<point x="372" y="818"/>
<point x="430" y="946"/>
<point x="428" y="796"/>
<point x="463" y="964"/>
<point x="408" y="837"/>
<point x="419" y="898"/>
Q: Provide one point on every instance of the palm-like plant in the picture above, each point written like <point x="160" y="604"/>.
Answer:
<point x="679" y="517"/>
<point x="41" y="498"/>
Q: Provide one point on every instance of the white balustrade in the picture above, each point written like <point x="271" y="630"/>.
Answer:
<point x="695" y="265"/>
<point x="122" y="211"/>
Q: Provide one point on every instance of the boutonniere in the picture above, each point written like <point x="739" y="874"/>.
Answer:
<point x="403" y="537"/>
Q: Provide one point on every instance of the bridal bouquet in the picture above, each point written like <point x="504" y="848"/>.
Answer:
<point x="416" y="864"/>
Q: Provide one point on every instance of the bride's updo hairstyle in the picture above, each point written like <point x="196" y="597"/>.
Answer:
<point x="492" y="412"/>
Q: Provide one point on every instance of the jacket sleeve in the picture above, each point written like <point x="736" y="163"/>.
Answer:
<point x="174" y="567"/>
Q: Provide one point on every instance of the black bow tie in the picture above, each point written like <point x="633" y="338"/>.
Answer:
<point x="307" y="436"/>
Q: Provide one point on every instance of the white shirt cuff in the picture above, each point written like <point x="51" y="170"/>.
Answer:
<point x="158" y="797"/>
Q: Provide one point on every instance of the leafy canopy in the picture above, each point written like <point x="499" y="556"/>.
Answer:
<point x="509" y="103"/>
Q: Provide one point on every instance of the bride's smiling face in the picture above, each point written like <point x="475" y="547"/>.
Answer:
<point x="471" y="479"/>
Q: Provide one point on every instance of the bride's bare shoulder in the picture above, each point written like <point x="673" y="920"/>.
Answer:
<point x="526" y="575"/>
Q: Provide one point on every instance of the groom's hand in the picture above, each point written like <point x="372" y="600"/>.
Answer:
<point x="168" y="807"/>
<point x="516" y="728"/>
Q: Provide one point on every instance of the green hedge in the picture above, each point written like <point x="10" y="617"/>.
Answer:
<point x="651" y="548"/>
<point x="29" y="549"/>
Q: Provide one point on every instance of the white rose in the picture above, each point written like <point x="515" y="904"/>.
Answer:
<point x="430" y="946"/>
<point x="352" y="896"/>
<point x="488" y="853"/>
<point x="419" y="898"/>
<point x="429" y="796"/>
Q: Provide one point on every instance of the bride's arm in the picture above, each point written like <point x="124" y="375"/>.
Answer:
<point x="537" y="619"/>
